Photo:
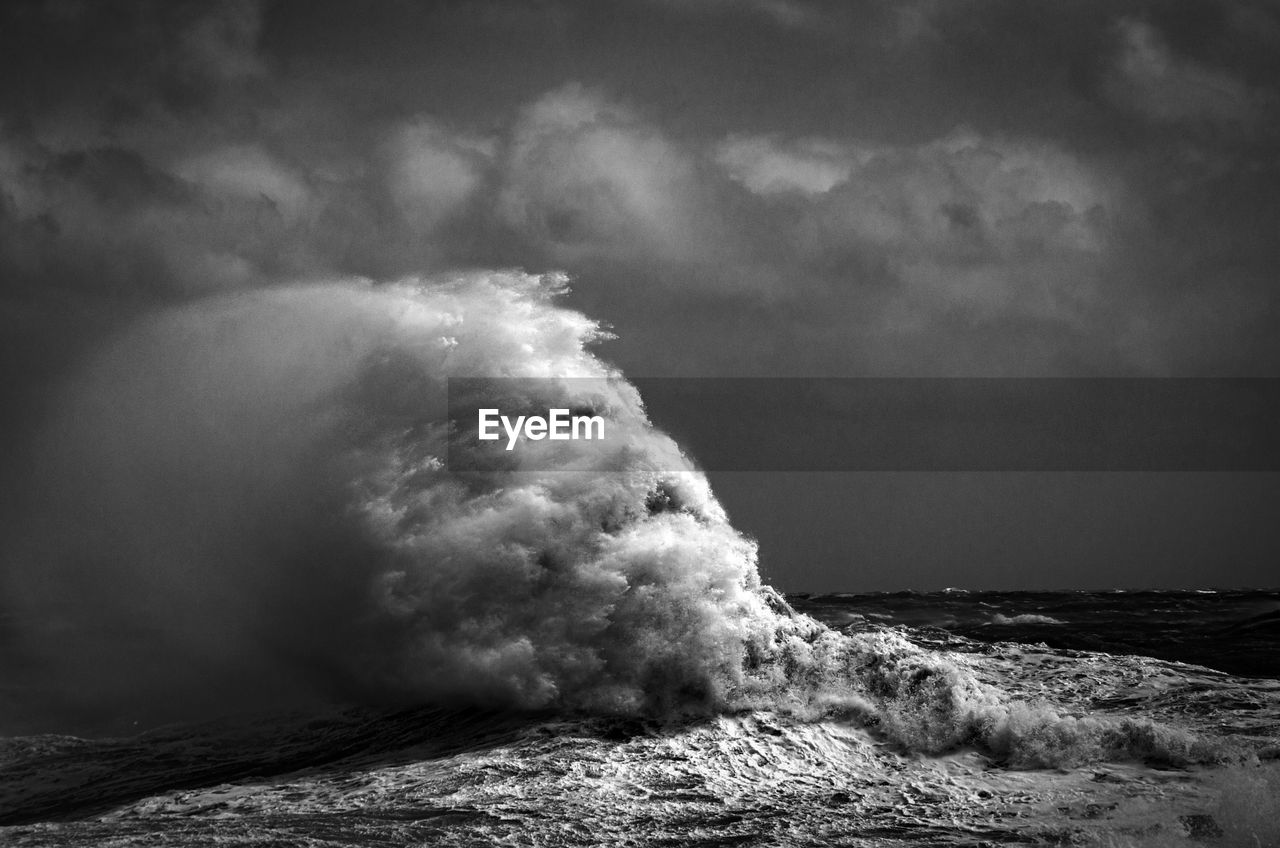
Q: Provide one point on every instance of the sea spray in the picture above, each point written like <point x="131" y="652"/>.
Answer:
<point x="246" y="500"/>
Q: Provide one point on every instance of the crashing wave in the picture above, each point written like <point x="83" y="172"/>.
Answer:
<point x="261" y="495"/>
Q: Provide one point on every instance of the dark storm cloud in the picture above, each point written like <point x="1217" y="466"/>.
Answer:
<point x="181" y="148"/>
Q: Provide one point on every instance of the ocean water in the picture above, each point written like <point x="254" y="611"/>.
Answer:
<point x="467" y="776"/>
<point x="1231" y="630"/>
<point x="254" y="599"/>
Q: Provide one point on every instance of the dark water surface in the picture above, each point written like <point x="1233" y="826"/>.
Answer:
<point x="1232" y="630"/>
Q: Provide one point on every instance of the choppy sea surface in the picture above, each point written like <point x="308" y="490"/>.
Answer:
<point x="1231" y="630"/>
<point x="1200" y="665"/>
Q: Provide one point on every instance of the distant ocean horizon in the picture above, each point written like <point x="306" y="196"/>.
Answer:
<point x="1236" y="631"/>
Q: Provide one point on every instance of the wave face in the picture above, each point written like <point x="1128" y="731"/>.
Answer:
<point x="244" y="502"/>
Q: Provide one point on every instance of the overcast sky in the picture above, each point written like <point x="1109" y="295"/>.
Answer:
<point x="738" y="187"/>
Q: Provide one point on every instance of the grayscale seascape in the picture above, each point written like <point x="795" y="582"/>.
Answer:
<point x="564" y="423"/>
